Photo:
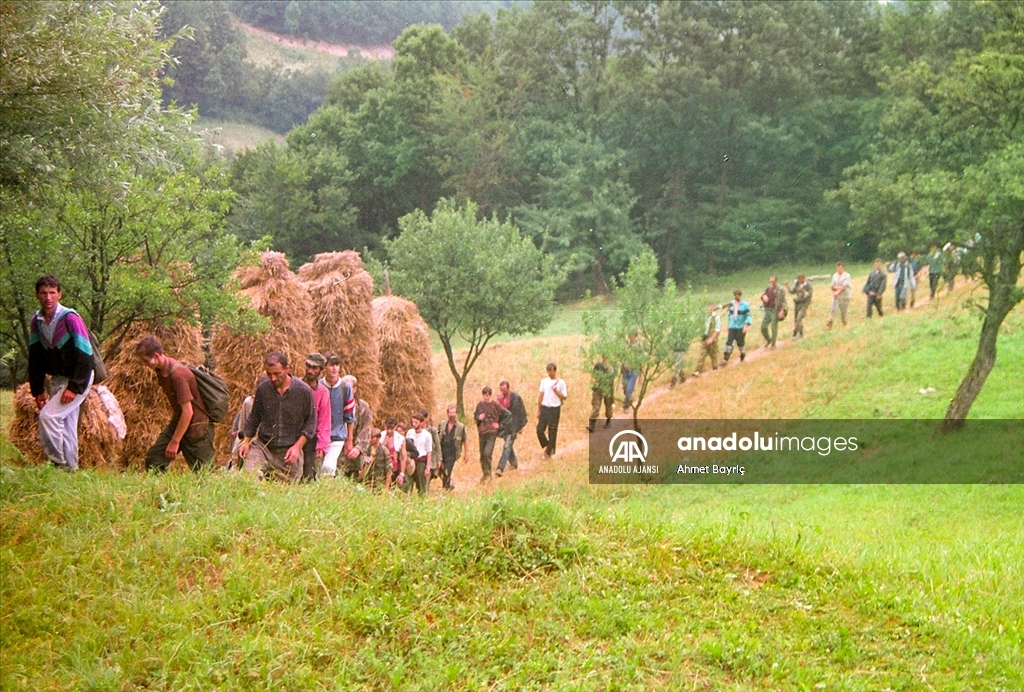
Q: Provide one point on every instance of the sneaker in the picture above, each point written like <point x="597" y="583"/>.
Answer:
<point x="498" y="473"/>
<point x="696" y="374"/>
<point x="723" y="363"/>
<point x="485" y="479"/>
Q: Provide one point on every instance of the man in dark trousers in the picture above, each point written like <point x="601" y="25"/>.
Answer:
<point x="282" y="420"/>
<point x="875" y="287"/>
<point x="489" y="416"/>
<point x="513" y="425"/>
<point x="58" y="346"/>
<point x="549" y="409"/>
<point x="452" y="434"/>
<point x="190" y="431"/>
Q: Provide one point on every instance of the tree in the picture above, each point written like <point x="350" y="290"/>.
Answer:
<point x="650" y="323"/>
<point x="953" y="150"/>
<point x="471" y="280"/>
<point x="100" y="185"/>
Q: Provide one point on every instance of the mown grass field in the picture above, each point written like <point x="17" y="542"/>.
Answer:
<point x="236" y="137"/>
<point x="539" y="581"/>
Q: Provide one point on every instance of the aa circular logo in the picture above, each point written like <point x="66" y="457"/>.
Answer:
<point x="628" y="446"/>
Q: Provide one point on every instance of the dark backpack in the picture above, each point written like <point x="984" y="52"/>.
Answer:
<point x="214" y="392"/>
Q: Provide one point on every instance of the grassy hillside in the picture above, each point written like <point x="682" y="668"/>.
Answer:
<point x="540" y="581"/>
<point x="235" y="137"/>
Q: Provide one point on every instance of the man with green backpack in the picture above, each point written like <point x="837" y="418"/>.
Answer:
<point x="190" y="430"/>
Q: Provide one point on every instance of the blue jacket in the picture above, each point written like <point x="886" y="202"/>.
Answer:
<point x="739" y="317"/>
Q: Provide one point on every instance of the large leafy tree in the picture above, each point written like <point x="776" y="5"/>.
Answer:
<point x="99" y="184"/>
<point x="651" y="323"/>
<point x="949" y="167"/>
<point x="471" y="279"/>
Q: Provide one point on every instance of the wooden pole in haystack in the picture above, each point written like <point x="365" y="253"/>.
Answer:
<point x="341" y="293"/>
<point x="406" y="359"/>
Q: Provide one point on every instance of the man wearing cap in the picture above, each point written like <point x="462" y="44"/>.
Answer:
<point x="904" y="281"/>
<point x="282" y="420"/>
<point x="315" y="449"/>
<point x="343" y="414"/>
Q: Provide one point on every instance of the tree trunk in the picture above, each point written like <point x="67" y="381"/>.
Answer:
<point x="999" y="307"/>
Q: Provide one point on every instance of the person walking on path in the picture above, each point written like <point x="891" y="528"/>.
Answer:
<point x="802" y="292"/>
<point x="315" y="449"/>
<point x="841" y="286"/>
<point x="904" y="281"/>
<point x="513" y="425"/>
<point x="58" y="346"/>
<point x="423" y="442"/>
<point x="773" y="302"/>
<point x="739" y="323"/>
<point x="602" y="391"/>
<point x="874" y="287"/>
<point x="709" y="342"/>
<point x="452" y="434"/>
<point x="282" y="420"/>
<point x="189" y="431"/>
<point x="549" y="409"/>
<point x="489" y="416"/>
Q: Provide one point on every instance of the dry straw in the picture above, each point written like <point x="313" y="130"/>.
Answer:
<point x="144" y="404"/>
<point x="98" y="444"/>
<point x="341" y="293"/>
<point x="275" y="292"/>
<point x="406" y="361"/>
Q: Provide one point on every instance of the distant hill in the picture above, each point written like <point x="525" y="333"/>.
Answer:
<point x="362" y="23"/>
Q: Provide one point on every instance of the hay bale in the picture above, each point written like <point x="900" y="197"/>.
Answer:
<point x="98" y="444"/>
<point x="275" y="292"/>
<point x="406" y="360"/>
<point x="145" y="407"/>
<point x="342" y="296"/>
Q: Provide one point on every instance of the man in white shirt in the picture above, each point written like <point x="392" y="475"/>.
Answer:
<point x="424" y="442"/>
<point x="549" y="409"/>
<point x="841" y="289"/>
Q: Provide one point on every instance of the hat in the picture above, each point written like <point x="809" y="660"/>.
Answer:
<point x="316" y="360"/>
<point x="902" y="255"/>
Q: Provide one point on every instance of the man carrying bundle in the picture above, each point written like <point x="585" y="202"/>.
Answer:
<point x="59" y="346"/>
<point x="190" y="430"/>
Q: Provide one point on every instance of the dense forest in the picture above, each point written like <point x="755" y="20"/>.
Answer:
<point x="716" y="133"/>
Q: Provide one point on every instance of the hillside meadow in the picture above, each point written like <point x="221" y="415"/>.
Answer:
<point x="540" y="581"/>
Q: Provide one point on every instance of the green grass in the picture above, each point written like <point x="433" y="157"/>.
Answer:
<point x="236" y="137"/>
<point x="182" y="582"/>
<point x="216" y="581"/>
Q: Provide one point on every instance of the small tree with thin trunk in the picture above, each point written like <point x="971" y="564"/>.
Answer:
<point x="649" y="323"/>
<point x="472" y="280"/>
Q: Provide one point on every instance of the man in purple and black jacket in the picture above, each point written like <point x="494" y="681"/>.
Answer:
<point x="58" y="346"/>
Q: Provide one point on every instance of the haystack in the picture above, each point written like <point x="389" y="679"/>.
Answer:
<point x="99" y="446"/>
<point x="274" y="291"/>
<point x="145" y="407"/>
<point x="342" y="293"/>
<point x="406" y="361"/>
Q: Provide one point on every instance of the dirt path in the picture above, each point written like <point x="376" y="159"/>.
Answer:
<point x="382" y="52"/>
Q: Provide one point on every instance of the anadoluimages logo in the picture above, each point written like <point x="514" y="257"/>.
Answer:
<point x="628" y="450"/>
